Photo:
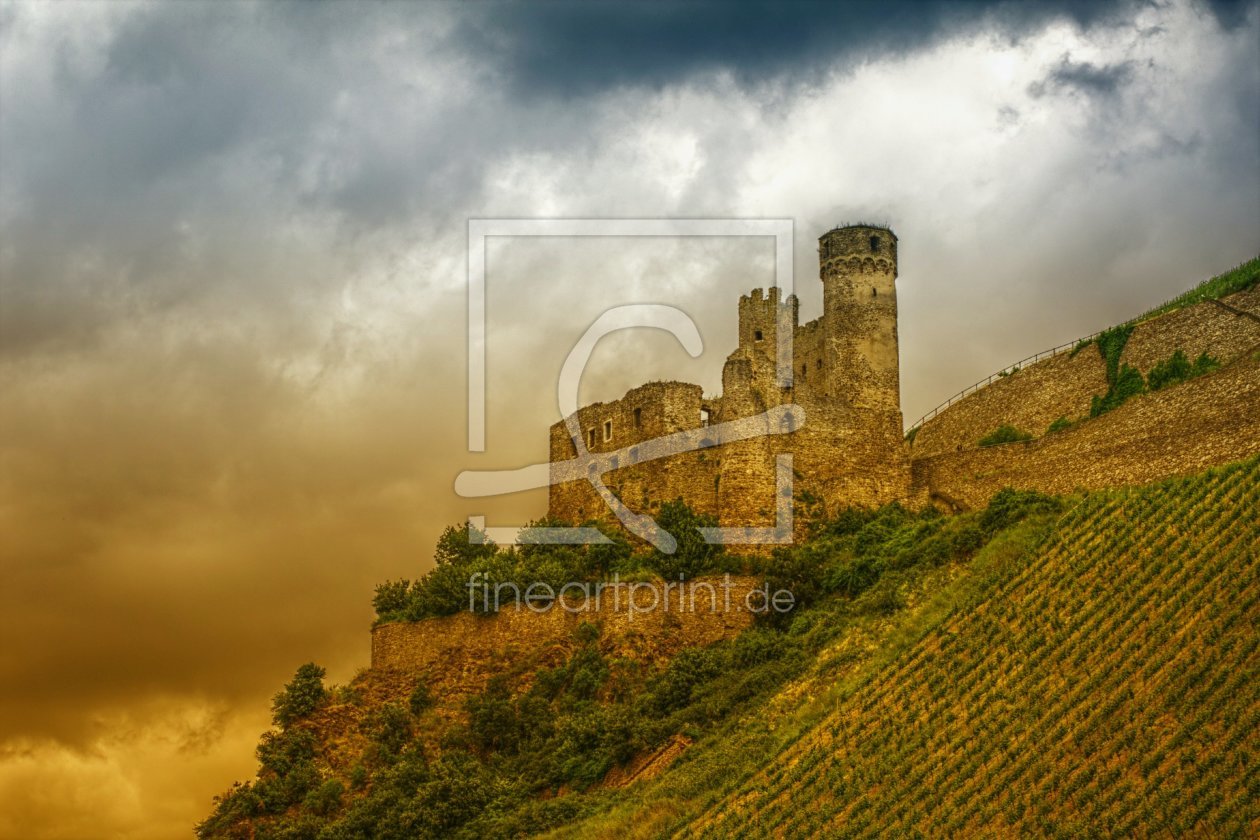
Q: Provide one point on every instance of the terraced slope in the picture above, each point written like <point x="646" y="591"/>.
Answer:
<point x="1112" y="686"/>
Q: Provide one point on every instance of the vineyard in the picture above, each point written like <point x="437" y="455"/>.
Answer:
<point x="1109" y="684"/>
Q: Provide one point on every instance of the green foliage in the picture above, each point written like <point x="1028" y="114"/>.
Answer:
<point x="392" y="597"/>
<point x="287" y="768"/>
<point x="1123" y="381"/>
<point x="492" y="718"/>
<point x="1005" y="433"/>
<point x="912" y="434"/>
<point x="325" y="799"/>
<point x="1111" y="345"/>
<point x="300" y="697"/>
<point x="1059" y="425"/>
<point x="421" y="700"/>
<point x="1178" y="368"/>
<point x="1128" y="383"/>
<point x="389" y="727"/>
<point x="565" y="727"/>
<point x="884" y="632"/>
<point x="1009" y="507"/>
<point x="461" y="545"/>
<point x="693" y="555"/>
<point x="468" y="575"/>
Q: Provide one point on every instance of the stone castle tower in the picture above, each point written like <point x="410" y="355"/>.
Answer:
<point x="844" y="374"/>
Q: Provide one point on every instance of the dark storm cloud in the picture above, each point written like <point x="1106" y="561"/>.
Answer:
<point x="583" y="47"/>
<point x="231" y="267"/>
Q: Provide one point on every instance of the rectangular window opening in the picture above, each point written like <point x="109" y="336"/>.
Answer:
<point x="607" y="430"/>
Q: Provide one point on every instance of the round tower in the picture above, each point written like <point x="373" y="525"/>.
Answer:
<point x="858" y="268"/>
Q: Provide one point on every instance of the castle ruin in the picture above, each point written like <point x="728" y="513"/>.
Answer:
<point x="844" y="374"/>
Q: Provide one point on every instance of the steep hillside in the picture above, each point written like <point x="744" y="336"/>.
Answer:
<point x="1046" y="665"/>
<point x="1106" y="682"/>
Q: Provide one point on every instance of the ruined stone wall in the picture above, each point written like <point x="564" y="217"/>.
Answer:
<point x="1062" y="386"/>
<point x="1186" y="428"/>
<point x="645" y="413"/>
<point x="461" y="652"/>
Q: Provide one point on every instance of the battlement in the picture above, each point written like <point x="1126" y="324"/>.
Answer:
<point x="762" y="315"/>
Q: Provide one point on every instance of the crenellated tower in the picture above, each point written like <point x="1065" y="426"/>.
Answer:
<point x="858" y="268"/>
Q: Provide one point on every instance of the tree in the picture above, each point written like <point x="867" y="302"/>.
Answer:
<point x="392" y="598"/>
<point x="693" y="555"/>
<point x="459" y="545"/>
<point x="300" y="697"/>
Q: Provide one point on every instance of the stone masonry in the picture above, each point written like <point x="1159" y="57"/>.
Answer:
<point x="849" y="449"/>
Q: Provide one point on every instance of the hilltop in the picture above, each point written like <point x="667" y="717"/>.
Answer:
<point x="1075" y="655"/>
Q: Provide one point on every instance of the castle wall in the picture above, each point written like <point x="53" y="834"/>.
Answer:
<point x="461" y="652"/>
<point x="1034" y="397"/>
<point x="1183" y="429"/>
<point x="648" y="412"/>
<point x="809" y="379"/>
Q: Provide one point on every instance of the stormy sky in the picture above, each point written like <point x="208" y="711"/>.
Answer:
<point x="233" y="277"/>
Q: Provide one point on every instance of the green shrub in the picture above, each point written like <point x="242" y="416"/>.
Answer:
<point x="693" y="555"/>
<point x="1111" y="345"/>
<point x="1172" y="370"/>
<point x="300" y="697"/>
<point x="460" y="545"/>
<point x="324" y="799"/>
<point x="1178" y="368"/>
<point x="885" y="599"/>
<point x="1059" y="425"/>
<point x="390" y="729"/>
<point x="1129" y="383"/>
<point x="852" y="576"/>
<point x="1005" y="433"/>
<point x="420" y="700"/>
<point x="1009" y="506"/>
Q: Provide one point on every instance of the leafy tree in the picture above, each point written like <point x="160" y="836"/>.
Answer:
<point x="460" y="545"/>
<point x="492" y="718"/>
<point x="390" y="729"/>
<point x="325" y="799"/>
<point x="392" y="598"/>
<point x="693" y="555"/>
<point x="300" y="697"/>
